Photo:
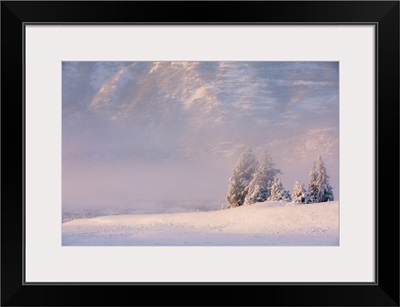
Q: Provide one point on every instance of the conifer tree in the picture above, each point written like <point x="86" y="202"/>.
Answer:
<point x="325" y="192"/>
<point x="299" y="195"/>
<point x="241" y="176"/>
<point x="313" y="186"/>
<point x="277" y="191"/>
<point x="319" y="189"/>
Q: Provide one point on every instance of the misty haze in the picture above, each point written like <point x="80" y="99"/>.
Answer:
<point x="156" y="150"/>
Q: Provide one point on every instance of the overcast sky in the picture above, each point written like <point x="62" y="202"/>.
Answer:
<point x="136" y="133"/>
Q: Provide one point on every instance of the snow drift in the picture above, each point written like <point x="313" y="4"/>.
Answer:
<point x="260" y="224"/>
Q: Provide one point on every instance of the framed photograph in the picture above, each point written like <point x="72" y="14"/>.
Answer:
<point x="251" y="146"/>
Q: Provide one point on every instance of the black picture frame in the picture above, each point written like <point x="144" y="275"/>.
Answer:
<point x="383" y="14"/>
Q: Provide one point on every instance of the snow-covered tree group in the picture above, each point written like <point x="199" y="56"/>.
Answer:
<point x="259" y="189"/>
<point x="256" y="180"/>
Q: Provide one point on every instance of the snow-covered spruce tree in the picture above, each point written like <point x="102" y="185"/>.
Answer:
<point x="241" y="176"/>
<point x="319" y="189"/>
<point x="325" y="190"/>
<point x="277" y="191"/>
<point x="260" y="185"/>
<point x="312" y="186"/>
<point x="299" y="195"/>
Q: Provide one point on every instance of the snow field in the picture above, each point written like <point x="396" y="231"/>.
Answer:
<point x="260" y="224"/>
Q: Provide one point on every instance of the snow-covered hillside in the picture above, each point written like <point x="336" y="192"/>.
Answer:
<point x="261" y="224"/>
